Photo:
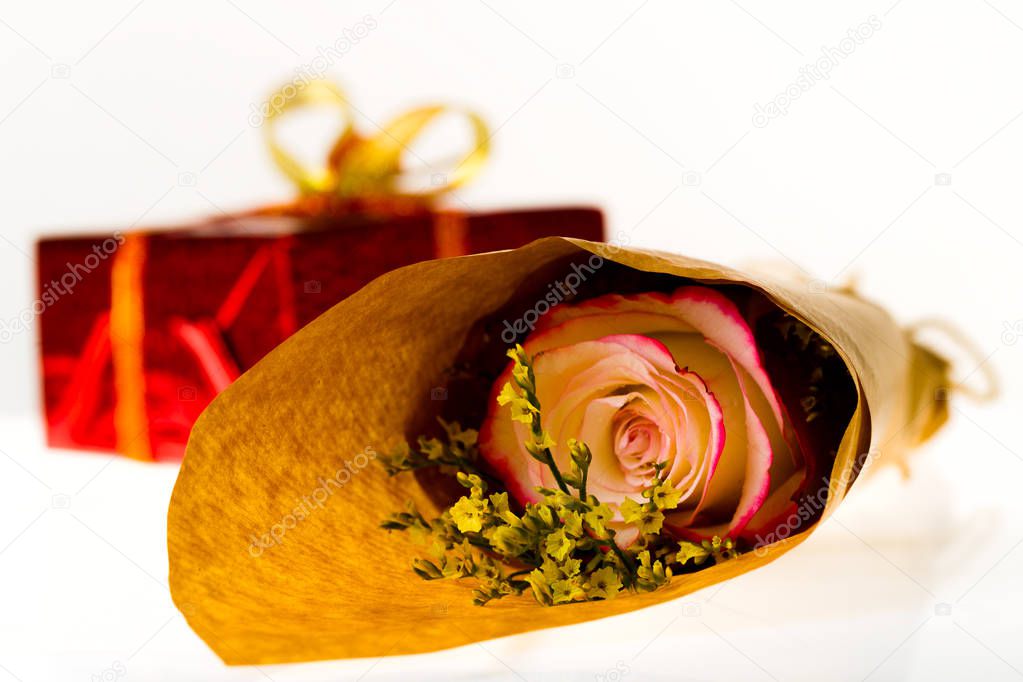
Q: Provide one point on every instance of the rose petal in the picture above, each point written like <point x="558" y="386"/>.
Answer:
<point x="722" y="391"/>
<point x="717" y="318"/>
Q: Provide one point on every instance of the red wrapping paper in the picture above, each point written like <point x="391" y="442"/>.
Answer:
<point x="208" y="301"/>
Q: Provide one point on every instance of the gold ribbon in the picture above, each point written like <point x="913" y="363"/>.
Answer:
<point x="357" y="167"/>
<point x="368" y="167"/>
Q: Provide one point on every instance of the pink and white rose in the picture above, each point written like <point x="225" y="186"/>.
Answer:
<point x="649" y="378"/>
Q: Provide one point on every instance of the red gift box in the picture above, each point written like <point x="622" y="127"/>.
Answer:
<point x="142" y="330"/>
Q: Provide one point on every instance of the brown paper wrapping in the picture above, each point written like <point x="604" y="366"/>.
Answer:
<point x="337" y="586"/>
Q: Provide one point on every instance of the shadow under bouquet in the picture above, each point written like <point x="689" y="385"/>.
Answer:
<point x="566" y="424"/>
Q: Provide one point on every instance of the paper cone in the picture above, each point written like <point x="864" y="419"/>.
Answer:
<point x="372" y="369"/>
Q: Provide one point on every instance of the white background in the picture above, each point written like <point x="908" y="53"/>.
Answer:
<point x="109" y="110"/>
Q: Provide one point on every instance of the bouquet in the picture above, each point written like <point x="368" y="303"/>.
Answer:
<point x="465" y="444"/>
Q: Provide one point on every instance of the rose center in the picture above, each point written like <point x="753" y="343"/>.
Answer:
<point x="637" y="443"/>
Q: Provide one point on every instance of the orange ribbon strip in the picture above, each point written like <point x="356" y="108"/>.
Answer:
<point x="127" y="332"/>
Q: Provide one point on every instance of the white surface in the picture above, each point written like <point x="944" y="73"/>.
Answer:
<point x="107" y="107"/>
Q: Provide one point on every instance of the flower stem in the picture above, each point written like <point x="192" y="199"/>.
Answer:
<point x="552" y="465"/>
<point x="626" y="560"/>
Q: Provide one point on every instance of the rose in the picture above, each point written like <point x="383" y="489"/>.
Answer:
<point x="654" y="378"/>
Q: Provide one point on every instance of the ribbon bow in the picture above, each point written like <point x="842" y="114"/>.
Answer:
<point x="369" y="167"/>
<point x="366" y="168"/>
